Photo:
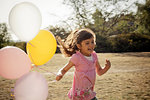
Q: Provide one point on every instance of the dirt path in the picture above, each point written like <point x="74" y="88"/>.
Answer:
<point x="112" y="71"/>
<point x="128" y="78"/>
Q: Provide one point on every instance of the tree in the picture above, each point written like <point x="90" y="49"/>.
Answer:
<point x="124" y="24"/>
<point x="59" y="31"/>
<point x="116" y="25"/>
<point x="4" y="35"/>
<point x="82" y="11"/>
<point x="87" y="13"/>
<point x="143" y="18"/>
<point x="110" y="24"/>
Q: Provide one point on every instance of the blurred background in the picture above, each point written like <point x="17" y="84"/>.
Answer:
<point x="120" y="25"/>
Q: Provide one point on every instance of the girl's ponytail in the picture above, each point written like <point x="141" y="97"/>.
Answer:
<point x="68" y="47"/>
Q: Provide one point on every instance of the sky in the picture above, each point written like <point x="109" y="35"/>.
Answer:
<point x="53" y="11"/>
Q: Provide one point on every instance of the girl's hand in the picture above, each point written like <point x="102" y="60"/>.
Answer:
<point x="108" y="64"/>
<point x="100" y="71"/>
<point x="63" y="70"/>
<point x="58" y="77"/>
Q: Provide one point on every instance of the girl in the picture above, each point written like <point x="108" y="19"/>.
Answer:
<point x="80" y="45"/>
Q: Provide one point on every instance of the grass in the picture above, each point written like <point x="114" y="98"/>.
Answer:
<point x="128" y="78"/>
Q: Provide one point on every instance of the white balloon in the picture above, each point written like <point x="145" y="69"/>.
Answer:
<point x="31" y="86"/>
<point x="25" y="20"/>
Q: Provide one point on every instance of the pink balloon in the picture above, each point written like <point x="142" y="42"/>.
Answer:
<point x="14" y="62"/>
<point x="31" y="86"/>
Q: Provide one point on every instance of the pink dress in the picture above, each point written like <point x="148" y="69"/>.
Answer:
<point x="84" y="77"/>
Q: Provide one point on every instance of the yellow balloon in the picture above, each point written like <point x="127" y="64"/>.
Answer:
<point x="42" y="47"/>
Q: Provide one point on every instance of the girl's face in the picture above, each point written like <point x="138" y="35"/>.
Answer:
<point x="87" y="46"/>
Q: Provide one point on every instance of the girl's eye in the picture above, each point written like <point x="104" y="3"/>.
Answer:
<point x="87" y="43"/>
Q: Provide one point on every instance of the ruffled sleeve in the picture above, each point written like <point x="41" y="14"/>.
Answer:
<point x="95" y="56"/>
<point x="75" y="59"/>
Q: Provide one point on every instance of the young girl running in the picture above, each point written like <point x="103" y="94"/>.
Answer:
<point x="80" y="45"/>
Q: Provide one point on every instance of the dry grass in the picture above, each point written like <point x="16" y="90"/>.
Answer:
<point x="128" y="78"/>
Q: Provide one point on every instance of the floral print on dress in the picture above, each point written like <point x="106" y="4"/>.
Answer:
<point x="81" y="94"/>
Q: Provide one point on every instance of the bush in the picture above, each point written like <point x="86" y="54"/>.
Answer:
<point x="4" y="35"/>
<point x="132" y="42"/>
<point x="102" y="44"/>
<point x="21" y="45"/>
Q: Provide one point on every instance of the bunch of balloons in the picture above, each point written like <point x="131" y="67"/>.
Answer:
<point x="25" y="21"/>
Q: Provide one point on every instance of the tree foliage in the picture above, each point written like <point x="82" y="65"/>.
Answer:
<point x="82" y="11"/>
<point x="59" y="31"/>
<point x="117" y="25"/>
<point x="117" y="30"/>
<point x="143" y="18"/>
<point x="132" y="42"/>
<point x="5" y="38"/>
<point x="4" y="35"/>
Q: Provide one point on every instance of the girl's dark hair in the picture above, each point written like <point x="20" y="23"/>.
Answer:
<point x="68" y="47"/>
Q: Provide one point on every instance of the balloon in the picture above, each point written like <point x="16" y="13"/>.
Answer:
<point x="31" y="86"/>
<point x="14" y="62"/>
<point x="25" y="20"/>
<point x="42" y="48"/>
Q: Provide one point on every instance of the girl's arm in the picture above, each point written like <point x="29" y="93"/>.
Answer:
<point x="101" y="71"/>
<point x="63" y="70"/>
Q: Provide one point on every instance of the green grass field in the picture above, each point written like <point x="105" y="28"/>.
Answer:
<point x="128" y="78"/>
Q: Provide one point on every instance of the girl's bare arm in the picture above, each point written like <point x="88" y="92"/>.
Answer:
<point x="63" y="70"/>
<point x="99" y="69"/>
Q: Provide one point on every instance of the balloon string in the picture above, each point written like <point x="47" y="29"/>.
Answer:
<point x="31" y="59"/>
<point x="39" y="67"/>
<point x="52" y="81"/>
<point x="48" y="71"/>
<point x="31" y="44"/>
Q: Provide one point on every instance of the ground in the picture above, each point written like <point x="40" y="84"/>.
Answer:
<point x="128" y="78"/>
